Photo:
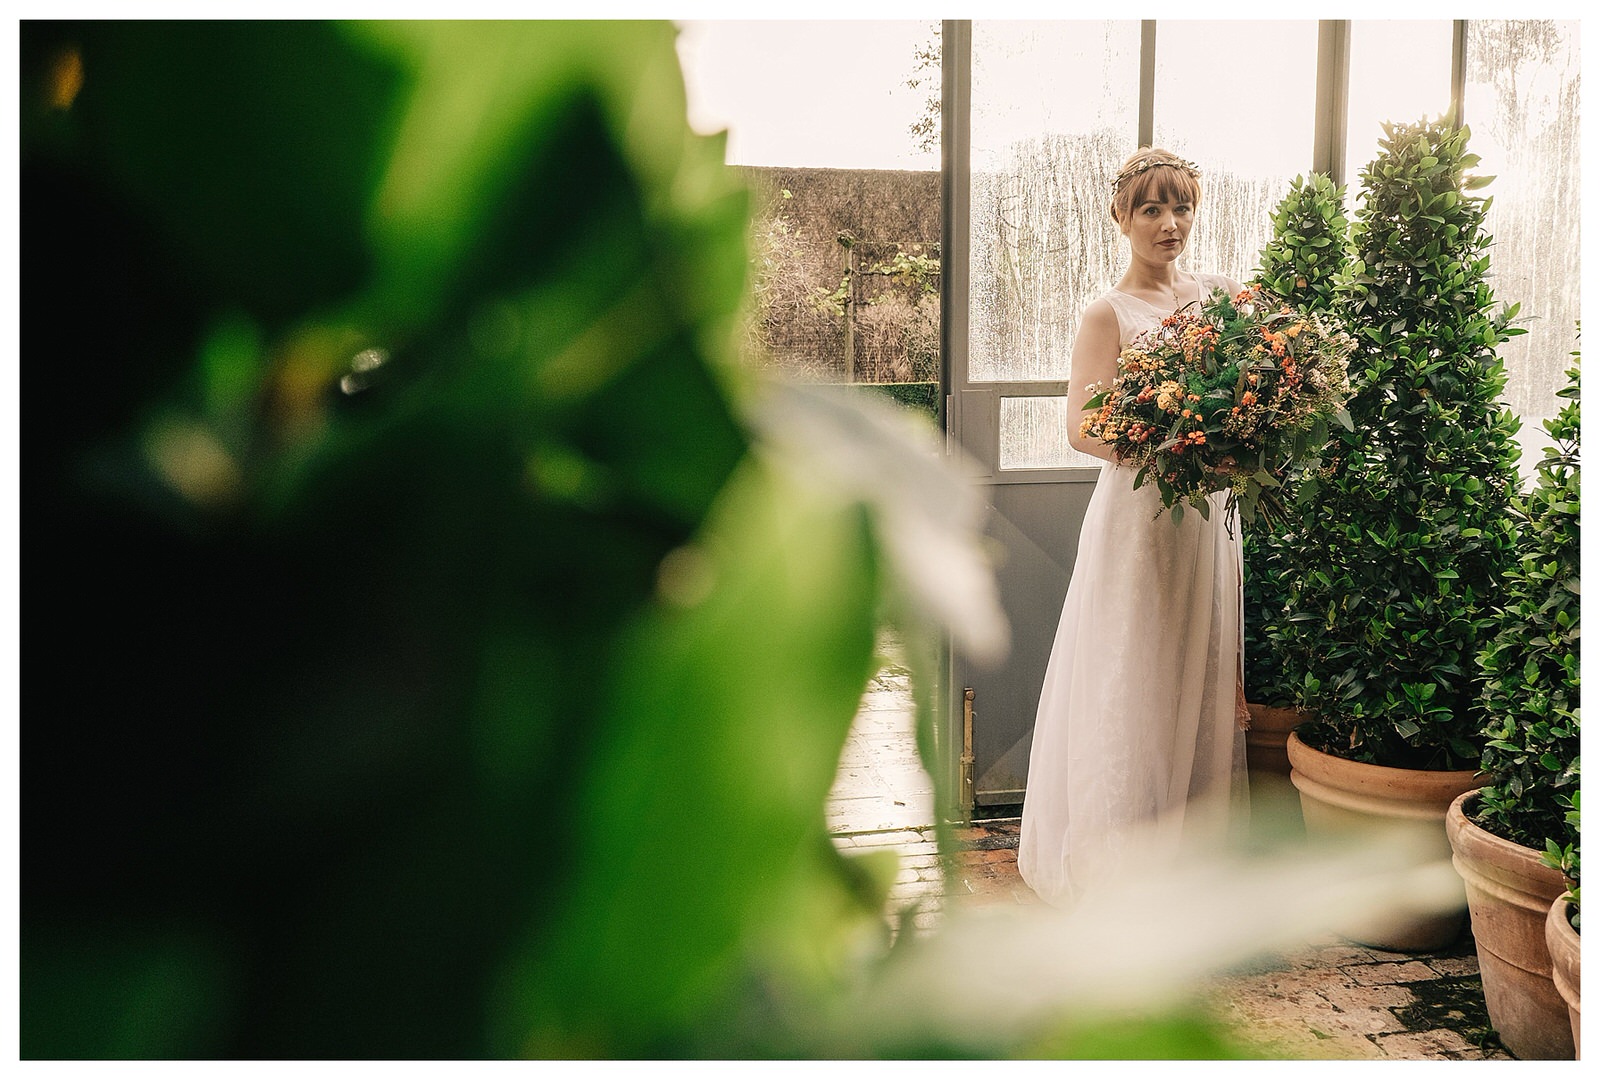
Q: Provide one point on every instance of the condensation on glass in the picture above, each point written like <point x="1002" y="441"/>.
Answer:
<point x="1522" y="106"/>
<point x="1054" y="113"/>
<point x="1249" y="141"/>
<point x="1037" y="428"/>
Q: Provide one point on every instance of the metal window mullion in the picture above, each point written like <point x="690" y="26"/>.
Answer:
<point x="955" y="136"/>
<point x="1147" y="82"/>
<point x="1332" y="123"/>
<point x="1458" y="71"/>
<point x="955" y="246"/>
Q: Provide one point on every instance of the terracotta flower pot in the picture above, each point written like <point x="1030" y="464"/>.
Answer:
<point x="1266" y="744"/>
<point x="1340" y="798"/>
<point x="1510" y="891"/>
<point x="1562" y="941"/>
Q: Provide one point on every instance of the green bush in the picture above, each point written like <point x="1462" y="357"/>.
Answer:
<point x="1302" y="262"/>
<point x="1403" y="541"/>
<point x="1309" y="250"/>
<point x="1530" y="666"/>
<point x="921" y="397"/>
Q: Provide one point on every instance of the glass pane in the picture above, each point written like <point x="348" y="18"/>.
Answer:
<point x="1399" y="71"/>
<point x="1033" y="434"/>
<point x="1522" y="105"/>
<point x="1054" y="112"/>
<point x="1248" y="141"/>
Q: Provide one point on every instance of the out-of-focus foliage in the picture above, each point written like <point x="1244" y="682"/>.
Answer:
<point x="447" y="677"/>
<point x="454" y="649"/>
<point x="1302" y="262"/>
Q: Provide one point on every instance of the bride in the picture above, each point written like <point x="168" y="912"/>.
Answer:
<point x="1138" y="746"/>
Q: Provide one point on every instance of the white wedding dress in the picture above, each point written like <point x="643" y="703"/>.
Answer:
<point x="1137" y="755"/>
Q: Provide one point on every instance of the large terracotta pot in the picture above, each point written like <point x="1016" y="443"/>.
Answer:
<point x="1562" y="941"/>
<point x="1266" y="744"/>
<point x="1340" y="798"/>
<point x="1509" y="891"/>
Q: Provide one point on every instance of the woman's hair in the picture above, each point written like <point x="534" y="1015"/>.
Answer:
<point x="1151" y="173"/>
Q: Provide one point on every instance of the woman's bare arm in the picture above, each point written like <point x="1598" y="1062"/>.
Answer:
<point x="1094" y="360"/>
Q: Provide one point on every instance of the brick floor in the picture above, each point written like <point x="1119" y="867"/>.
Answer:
<point x="1330" y="999"/>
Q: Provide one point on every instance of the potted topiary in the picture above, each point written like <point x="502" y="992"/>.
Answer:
<point x="1302" y="262"/>
<point x="1510" y="839"/>
<point x="1400" y="542"/>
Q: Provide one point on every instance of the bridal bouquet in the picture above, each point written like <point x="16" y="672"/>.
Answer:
<point x="1225" y="395"/>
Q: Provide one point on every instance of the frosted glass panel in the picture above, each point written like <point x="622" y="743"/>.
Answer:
<point x="1033" y="434"/>
<point x="1248" y="140"/>
<point x="1399" y="71"/>
<point x="1522" y="104"/>
<point x="1054" y="112"/>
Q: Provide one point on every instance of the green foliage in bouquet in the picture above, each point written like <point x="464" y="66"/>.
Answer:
<point x="1302" y="262"/>
<point x="1530" y="665"/>
<point x="444" y="658"/>
<point x="1403" y="543"/>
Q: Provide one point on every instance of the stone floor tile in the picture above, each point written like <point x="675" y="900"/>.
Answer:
<point x="1368" y="1020"/>
<point x="1412" y="1045"/>
<point x="1388" y="995"/>
<point x="1376" y="974"/>
<point x="1454" y="965"/>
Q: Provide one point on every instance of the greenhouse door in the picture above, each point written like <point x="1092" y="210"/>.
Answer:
<point x="1021" y="256"/>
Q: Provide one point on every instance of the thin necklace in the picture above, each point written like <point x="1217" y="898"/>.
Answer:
<point x="1175" y="303"/>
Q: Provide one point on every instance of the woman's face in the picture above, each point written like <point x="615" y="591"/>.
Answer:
<point x="1159" y="231"/>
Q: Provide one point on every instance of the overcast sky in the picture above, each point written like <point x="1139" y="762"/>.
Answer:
<point x="832" y="93"/>
<point x="818" y="93"/>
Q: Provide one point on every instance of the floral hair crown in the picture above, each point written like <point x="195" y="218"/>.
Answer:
<point x="1131" y="171"/>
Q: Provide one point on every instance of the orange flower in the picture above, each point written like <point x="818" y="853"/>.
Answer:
<point x="1249" y="397"/>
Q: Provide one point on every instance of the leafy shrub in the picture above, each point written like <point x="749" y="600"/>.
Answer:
<point x="1530" y="666"/>
<point x="1402" y="544"/>
<point x="921" y="397"/>
<point x="1310" y="245"/>
<point x="1302" y="262"/>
